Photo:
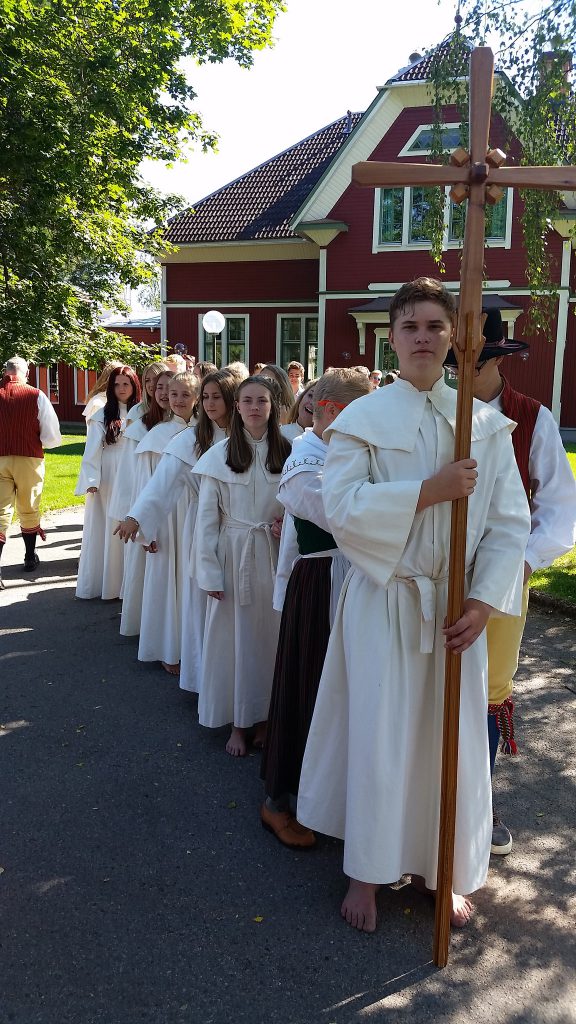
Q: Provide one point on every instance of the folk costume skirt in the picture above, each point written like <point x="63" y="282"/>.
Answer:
<point x="302" y="643"/>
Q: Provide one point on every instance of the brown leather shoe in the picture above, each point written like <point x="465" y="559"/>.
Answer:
<point x="286" y="829"/>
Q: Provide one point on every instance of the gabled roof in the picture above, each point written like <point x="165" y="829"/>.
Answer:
<point x="261" y="203"/>
<point x="420" y="70"/>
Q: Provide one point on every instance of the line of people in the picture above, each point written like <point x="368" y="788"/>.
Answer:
<point x="294" y="574"/>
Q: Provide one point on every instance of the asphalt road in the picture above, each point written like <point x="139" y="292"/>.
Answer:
<point x="137" y="886"/>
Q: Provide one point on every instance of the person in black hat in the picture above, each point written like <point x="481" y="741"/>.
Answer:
<point x="551" y="493"/>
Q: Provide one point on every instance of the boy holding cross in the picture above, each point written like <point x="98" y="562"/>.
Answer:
<point x="371" y="772"/>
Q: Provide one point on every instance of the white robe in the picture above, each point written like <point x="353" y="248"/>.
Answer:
<point x="101" y="564"/>
<point x="133" y="473"/>
<point x="160" y="629"/>
<point x="300" y="493"/>
<point x="553" y="493"/>
<point x="371" y="772"/>
<point x="235" y="552"/>
<point x="172" y="479"/>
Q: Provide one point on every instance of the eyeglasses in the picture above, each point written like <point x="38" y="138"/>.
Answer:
<point x="330" y="401"/>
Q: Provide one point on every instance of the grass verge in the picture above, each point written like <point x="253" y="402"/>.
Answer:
<point x="560" y="579"/>
<point x="62" y="468"/>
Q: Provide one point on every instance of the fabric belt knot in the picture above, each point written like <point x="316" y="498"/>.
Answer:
<point x="247" y="556"/>
<point x="426" y="586"/>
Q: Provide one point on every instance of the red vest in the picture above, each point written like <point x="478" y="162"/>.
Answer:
<point x="19" y="424"/>
<point x="524" y="411"/>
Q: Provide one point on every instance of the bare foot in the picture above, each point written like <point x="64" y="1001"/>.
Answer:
<point x="259" y="735"/>
<point x="462" y="907"/>
<point x="359" y="906"/>
<point x="236" y="745"/>
<point x="174" y="670"/>
<point x="462" y="910"/>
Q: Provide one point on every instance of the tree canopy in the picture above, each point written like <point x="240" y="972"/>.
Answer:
<point x="88" y="89"/>
<point x="537" y="101"/>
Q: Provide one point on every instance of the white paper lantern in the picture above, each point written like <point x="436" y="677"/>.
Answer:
<point x="213" y="322"/>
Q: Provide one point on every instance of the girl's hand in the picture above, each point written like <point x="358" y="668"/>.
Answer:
<point x="91" y="490"/>
<point x="127" y="529"/>
<point x="152" y="547"/>
<point x="218" y="595"/>
<point x="467" y="629"/>
<point x="276" y="528"/>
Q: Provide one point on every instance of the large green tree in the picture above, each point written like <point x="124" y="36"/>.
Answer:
<point x="88" y="89"/>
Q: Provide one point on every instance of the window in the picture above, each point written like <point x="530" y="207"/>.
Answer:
<point x="84" y="380"/>
<point x="495" y="222"/>
<point x="420" y="143"/>
<point x="385" y="356"/>
<point x="47" y="381"/>
<point x="229" y="347"/>
<point x="402" y="212"/>
<point x="298" y="340"/>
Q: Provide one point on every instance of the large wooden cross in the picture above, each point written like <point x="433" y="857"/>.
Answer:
<point x="479" y="177"/>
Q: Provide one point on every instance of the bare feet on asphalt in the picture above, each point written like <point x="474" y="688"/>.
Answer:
<point x="236" y="745"/>
<point x="173" y="670"/>
<point x="259" y="735"/>
<point x="359" y="906"/>
<point x="462" y="907"/>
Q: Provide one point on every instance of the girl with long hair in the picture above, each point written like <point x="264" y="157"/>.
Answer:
<point x="100" y="570"/>
<point x="234" y="560"/>
<point x="278" y="374"/>
<point x="172" y="479"/>
<point x="133" y="473"/>
<point x="159" y="618"/>
<point x="148" y="378"/>
<point x="96" y="397"/>
<point x="302" y="412"/>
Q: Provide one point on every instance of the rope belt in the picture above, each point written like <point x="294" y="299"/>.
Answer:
<point x="427" y="589"/>
<point x="248" y="554"/>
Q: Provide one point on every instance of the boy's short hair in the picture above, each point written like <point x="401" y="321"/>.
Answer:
<point x="294" y="365"/>
<point x="422" y="289"/>
<point x="341" y="385"/>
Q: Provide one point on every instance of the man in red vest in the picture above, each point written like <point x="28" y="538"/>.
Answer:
<point x="551" y="492"/>
<point x="28" y="424"/>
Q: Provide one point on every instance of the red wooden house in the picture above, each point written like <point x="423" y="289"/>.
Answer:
<point x="302" y="263"/>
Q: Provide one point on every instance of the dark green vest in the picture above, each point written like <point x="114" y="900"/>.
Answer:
<point x="311" y="538"/>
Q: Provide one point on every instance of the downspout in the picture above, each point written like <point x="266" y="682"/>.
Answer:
<point x="561" y="329"/>
<point x="321" y="309"/>
<point x="163" y="312"/>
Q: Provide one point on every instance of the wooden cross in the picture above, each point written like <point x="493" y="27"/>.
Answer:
<point x="479" y="177"/>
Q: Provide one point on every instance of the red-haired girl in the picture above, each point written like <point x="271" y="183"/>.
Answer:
<point x="100" y="569"/>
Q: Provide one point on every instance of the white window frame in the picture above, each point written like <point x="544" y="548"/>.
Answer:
<point x="51" y="372"/>
<point x="407" y="246"/>
<point x="406" y="151"/>
<point x="227" y="316"/>
<point x="303" y="355"/>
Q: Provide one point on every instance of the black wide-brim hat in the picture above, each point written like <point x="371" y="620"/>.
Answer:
<point x="495" y="343"/>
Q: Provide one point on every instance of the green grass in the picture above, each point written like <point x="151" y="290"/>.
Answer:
<point x="62" y="468"/>
<point x="560" y="579"/>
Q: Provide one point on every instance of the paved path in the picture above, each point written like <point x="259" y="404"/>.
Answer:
<point x="139" y="888"/>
